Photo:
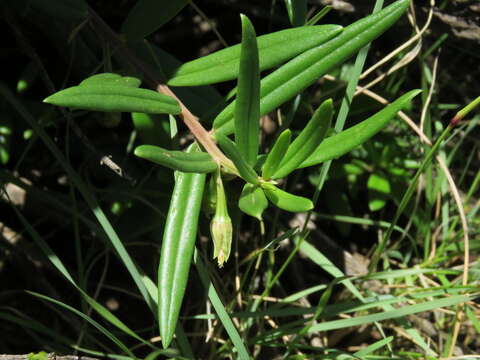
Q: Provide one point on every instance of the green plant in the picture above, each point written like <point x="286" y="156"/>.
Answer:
<point x="226" y="167"/>
<point x="111" y="92"/>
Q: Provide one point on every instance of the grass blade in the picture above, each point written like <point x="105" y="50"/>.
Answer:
<point x="392" y="314"/>
<point x="220" y="309"/>
<point x="92" y="322"/>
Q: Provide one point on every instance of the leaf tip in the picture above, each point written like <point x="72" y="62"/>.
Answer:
<point x="48" y="100"/>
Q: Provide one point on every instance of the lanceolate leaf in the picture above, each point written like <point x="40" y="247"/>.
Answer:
<point x="285" y="200"/>
<point x="275" y="156"/>
<point x="113" y="98"/>
<point x="253" y="201"/>
<point x="308" y="140"/>
<point x="148" y="15"/>
<point x="345" y="141"/>
<point x="192" y="162"/>
<point x="111" y="79"/>
<point x="177" y="249"/>
<point x="274" y="49"/>
<point x="244" y="169"/>
<point x="300" y="72"/>
<point x="247" y="108"/>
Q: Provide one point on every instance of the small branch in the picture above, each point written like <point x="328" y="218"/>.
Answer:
<point x="199" y="131"/>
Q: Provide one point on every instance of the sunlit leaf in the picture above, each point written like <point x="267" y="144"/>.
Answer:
<point x="114" y="98"/>
<point x="247" y="108"/>
<point x="274" y="49"/>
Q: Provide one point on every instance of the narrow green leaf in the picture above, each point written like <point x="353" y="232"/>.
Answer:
<point x="113" y="98"/>
<point x="193" y="162"/>
<point x="274" y="49"/>
<point x="247" y="108"/>
<point x="300" y="72"/>
<point x="111" y="79"/>
<point x="378" y="191"/>
<point x="285" y="200"/>
<point x="340" y="144"/>
<point x="149" y="15"/>
<point x="275" y="156"/>
<point x="245" y="170"/>
<point x="308" y="140"/>
<point x="374" y="347"/>
<point x="253" y="201"/>
<point x="319" y="15"/>
<point x="177" y="249"/>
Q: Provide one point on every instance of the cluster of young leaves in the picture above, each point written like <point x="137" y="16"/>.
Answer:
<point x="307" y="59"/>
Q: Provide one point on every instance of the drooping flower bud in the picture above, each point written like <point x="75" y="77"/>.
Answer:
<point x="221" y="225"/>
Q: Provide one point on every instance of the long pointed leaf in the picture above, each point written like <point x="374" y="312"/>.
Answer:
<point x="177" y="249"/>
<point x="99" y="327"/>
<point x="196" y="162"/>
<point x="247" y="108"/>
<point x="345" y="141"/>
<point x="300" y="72"/>
<point x="112" y="98"/>
<point x="274" y="49"/>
